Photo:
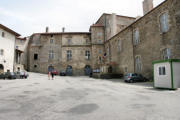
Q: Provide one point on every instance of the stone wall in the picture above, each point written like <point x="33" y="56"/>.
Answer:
<point x="152" y="40"/>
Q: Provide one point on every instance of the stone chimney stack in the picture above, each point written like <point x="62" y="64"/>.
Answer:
<point x="147" y="6"/>
<point x="47" y="29"/>
<point x="113" y="25"/>
<point x="63" y="29"/>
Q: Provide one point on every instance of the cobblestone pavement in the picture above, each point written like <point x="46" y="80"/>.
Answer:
<point x="83" y="98"/>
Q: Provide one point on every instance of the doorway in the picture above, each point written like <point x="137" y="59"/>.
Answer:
<point x="87" y="70"/>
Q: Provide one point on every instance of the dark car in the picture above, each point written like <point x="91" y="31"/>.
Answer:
<point x="134" y="77"/>
<point x="10" y="75"/>
<point x="2" y="76"/>
<point x="62" y="73"/>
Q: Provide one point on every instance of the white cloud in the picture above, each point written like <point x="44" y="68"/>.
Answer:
<point x="74" y="15"/>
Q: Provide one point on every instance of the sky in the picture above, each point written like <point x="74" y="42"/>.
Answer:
<point x="32" y="16"/>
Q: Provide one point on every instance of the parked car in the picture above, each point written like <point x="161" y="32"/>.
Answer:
<point x="62" y="73"/>
<point x="2" y="76"/>
<point x="134" y="77"/>
<point x="22" y="75"/>
<point x="55" y="72"/>
<point x="10" y="75"/>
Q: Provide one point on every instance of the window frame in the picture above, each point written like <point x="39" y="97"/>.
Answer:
<point x="162" y="70"/>
<point x="136" y="37"/>
<point x="166" y="52"/>
<point x="51" y="54"/>
<point x="51" y="41"/>
<point x="36" y="57"/>
<point x="69" y="55"/>
<point x="87" y="55"/>
<point x="164" y="29"/>
<point x="138" y="64"/>
<point x="119" y="45"/>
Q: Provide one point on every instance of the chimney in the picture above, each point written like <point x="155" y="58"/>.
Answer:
<point x="113" y="23"/>
<point x="147" y="6"/>
<point x="63" y="29"/>
<point x="47" y="29"/>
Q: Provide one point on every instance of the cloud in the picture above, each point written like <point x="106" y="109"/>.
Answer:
<point x="27" y="17"/>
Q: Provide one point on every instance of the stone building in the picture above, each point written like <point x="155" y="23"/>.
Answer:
<point x="155" y="36"/>
<point x="119" y="43"/>
<point x="75" y="52"/>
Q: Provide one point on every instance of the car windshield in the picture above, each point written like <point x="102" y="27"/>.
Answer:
<point x="12" y="73"/>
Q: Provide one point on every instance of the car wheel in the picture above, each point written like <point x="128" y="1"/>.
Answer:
<point x="131" y="81"/>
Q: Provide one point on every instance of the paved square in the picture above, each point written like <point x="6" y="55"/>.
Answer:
<point x="83" y="98"/>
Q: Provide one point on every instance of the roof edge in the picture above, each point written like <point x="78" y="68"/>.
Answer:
<point x="9" y="30"/>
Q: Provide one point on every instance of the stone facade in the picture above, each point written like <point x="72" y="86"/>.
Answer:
<point x="78" y="43"/>
<point x="124" y="44"/>
<point x="152" y="41"/>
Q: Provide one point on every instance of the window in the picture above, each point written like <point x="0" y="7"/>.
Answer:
<point x="99" y="34"/>
<point x="3" y="34"/>
<point x="51" y="41"/>
<point x="51" y="35"/>
<point x="35" y="56"/>
<point x="166" y="54"/>
<point x="162" y="70"/>
<point x="87" y="41"/>
<point x="164" y="22"/>
<point x="35" y="66"/>
<point x="69" y="55"/>
<point x="100" y="51"/>
<point x="87" y="55"/>
<point x="119" y="46"/>
<point x="99" y="41"/>
<point x="138" y="64"/>
<point x="51" y="54"/>
<point x="108" y="51"/>
<point x="69" y="41"/>
<point x="136" y="37"/>
<point x="1" y="52"/>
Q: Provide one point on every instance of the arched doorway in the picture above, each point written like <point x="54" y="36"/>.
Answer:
<point x="1" y="68"/>
<point x="50" y="68"/>
<point x="87" y="70"/>
<point x="69" y="70"/>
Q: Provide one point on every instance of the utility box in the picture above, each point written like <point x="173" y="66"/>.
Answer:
<point x="167" y="74"/>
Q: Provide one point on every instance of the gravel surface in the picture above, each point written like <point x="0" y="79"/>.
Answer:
<point x="83" y="98"/>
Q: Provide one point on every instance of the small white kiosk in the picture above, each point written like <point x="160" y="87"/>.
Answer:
<point x="167" y="74"/>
